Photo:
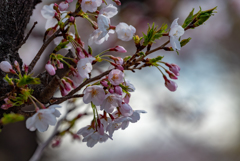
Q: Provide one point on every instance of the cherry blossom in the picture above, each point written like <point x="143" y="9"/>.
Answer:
<point x="109" y="11"/>
<point x="5" y="66"/>
<point x="94" y="94"/>
<point x="125" y="32"/>
<point x="43" y="118"/>
<point x="129" y="85"/>
<point x="84" y="67"/>
<point x="175" y="32"/>
<point x="126" y="109"/>
<point x="116" y="77"/>
<point x="110" y="102"/>
<point x="49" y="13"/>
<point x="103" y="25"/>
<point x="133" y="119"/>
<point x="90" y="5"/>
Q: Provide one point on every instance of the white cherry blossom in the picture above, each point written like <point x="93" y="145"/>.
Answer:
<point x="94" y="37"/>
<point x="125" y="32"/>
<point x="90" y="5"/>
<point x="109" y="11"/>
<point x="103" y="25"/>
<point x="111" y="102"/>
<point x="94" y="94"/>
<point x="116" y="77"/>
<point x="43" y="118"/>
<point x="175" y="32"/>
<point x="84" y="67"/>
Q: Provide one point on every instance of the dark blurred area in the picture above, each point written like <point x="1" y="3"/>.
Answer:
<point x="198" y="122"/>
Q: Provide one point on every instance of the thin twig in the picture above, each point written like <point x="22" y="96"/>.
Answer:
<point x="81" y="86"/>
<point x="25" y="39"/>
<point x="37" y="57"/>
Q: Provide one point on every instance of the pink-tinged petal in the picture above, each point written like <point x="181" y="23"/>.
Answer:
<point x="50" y="69"/>
<point x="5" y="66"/>
<point x="126" y="109"/>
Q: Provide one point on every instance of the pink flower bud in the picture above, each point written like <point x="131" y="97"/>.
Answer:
<point x="126" y="110"/>
<point x="16" y="65"/>
<point x="76" y="137"/>
<point x="173" y="68"/>
<point x="120" y="49"/>
<point x="5" y="66"/>
<point x="25" y="68"/>
<point x="66" y="85"/>
<point x="117" y="2"/>
<point x="118" y="90"/>
<point x="171" y="75"/>
<point x="50" y="69"/>
<point x="70" y="82"/>
<point x="71" y="19"/>
<point x="59" y="64"/>
<point x="56" y="142"/>
<point x="111" y="90"/>
<point x="171" y="85"/>
<point x="63" y="6"/>
<point x="63" y="91"/>
<point x="104" y="83"/>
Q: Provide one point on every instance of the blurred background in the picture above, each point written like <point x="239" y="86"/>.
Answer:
<point x="200" y="121"/>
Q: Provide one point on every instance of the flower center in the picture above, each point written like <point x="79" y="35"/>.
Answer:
<point x="40" y="116"/>
<point x="110" y="99"/>
<point x="176" y="34"/>
<point x="94" y="92"/>
<point x="115" y="77"/>
<point x="88" y="2"/>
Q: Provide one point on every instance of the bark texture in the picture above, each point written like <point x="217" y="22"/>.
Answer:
<point x="14" y="17"/>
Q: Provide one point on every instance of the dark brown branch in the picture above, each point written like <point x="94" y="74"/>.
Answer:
<point x="81" y="86"/>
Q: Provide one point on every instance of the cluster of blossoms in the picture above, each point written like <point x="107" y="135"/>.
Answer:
<point x="109" y="92"/>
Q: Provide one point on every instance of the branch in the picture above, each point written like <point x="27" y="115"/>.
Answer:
<point x="81" y="86"/>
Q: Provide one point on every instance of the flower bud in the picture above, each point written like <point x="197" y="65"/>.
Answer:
<point x="5" y="66"/>
<point x="25" y="68"/>
<point x="171" y="75"/>
<point x="16" y="65"/>
<point x="117" y="2"/>
<point x="71" y="19"/>
<point x="118" y="90"/>
<point x="104" y="83"/>
<point x="50" y="69"/>
<point x="119" y="49"/>
<point x="63" y="6"/>
<point x="111" y="90"/>
<point x="66" y="85"/>
<point x="171" y="85"/>
<point x="173" y="68"/>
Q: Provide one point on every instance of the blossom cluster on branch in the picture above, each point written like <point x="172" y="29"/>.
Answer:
<point x="108" y="93"/>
